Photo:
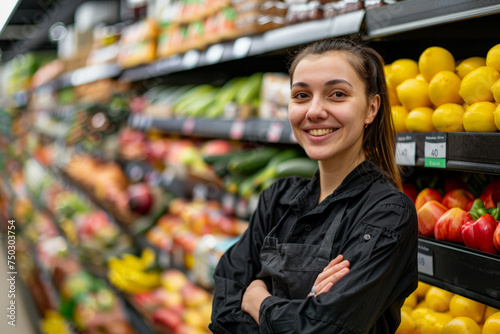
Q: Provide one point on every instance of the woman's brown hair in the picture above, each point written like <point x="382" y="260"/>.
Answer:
<point x="379" y="140"/>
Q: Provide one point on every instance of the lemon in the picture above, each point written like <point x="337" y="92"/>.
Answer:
<point x="433" y="60"/>
<point x="495" y="89"/>
<point x="479" y="117"/>
<point x="461" y="325"/>
<point x="492" y="324"/>
<point x="422" y="289"/>
<point x="496" y="117"/>
<point x="420" y="77"/>
<point x="476" y="85"/>
<point x="420" y="120"/>
<point x="493" y="57"/>
<point x="469" y="64"/>
<point x="399" y="114"/>
<point x="438" y="299"/>
<point x="401" y="70"/>
<point x="411" y="300"/>
<point x="407" y="325"/>
<point x="413" y="93"/>
<point x="461" y="306"/>
<point x="489" y="311"/>
<point x="444" y="88"/>
<point x="432" y="323"/>
<point x="449" y="118"/>
<point x="391" y="92"/>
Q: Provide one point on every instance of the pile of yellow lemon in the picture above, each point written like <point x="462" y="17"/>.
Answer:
<point x="431" y="310"/>
<point x="436" y="93"/>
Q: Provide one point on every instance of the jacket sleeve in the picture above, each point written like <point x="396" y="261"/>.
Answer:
<point x="383" y="271"/>
<point x="234" y="272"/>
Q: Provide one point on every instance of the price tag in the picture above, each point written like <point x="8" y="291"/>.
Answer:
<point x="405" y="150"/>
<point x="274" y="133"/>
<point x="200" y="191"/>
<point x="237" y="130"/>
<point x="241" y="47"/>
<point x="242" y="208"/>
<point x="214" y="53"/>
<point x="188" y="126"/>
<point x="191" y="59"/>
<point x="425" y="260"/>
<point x="228" y="202"/>
<point x="435" y="151"/>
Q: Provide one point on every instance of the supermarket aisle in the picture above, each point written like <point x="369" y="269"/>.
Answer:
<point x="24" y="324"/>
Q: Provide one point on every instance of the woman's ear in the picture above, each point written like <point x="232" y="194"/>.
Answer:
<point x="373" y="108"/>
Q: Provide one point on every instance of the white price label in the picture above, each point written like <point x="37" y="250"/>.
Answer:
<point x="241" y="47"/>
<point x="188" y="126"/>
<point x="425" y="260"/>
<point x="405" y="153"/>
<point x="237" y="130"/>
<point x="435" y="146"/>
<point x="214" y="53"/>
<point x="191" y="59"/>
<point x="274" y="133"/>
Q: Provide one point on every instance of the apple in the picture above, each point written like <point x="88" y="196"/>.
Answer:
<point x="167" y="319"/>
<point x="496" y="237"/>
<point x="216" y="147"/>
<point x="411" y="191"/>
<point x="173" y="280"/>
<point x="426" y="195"/>
<point x="449" y="225"/>
<point x="140" y="198"/>
<point x="428" y="215"/>
<point x="194" y="296"/>
<point x="457" y="198"/>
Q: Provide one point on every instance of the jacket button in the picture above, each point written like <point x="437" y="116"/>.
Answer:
<point x="307" y="228"/>
<point x="367" y="237"/>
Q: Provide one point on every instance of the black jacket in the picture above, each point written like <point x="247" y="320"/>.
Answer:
<point x="383" y="269"/>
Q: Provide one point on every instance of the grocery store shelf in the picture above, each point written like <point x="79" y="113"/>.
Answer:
<point x="410" y="15"/>
<point x="268" y="131"/>
<point x="467" y="272"/>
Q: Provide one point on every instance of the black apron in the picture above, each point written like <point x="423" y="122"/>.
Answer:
<point x="293" y="268"/>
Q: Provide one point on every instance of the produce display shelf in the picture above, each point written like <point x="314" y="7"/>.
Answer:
<point x="468" y="272"/>
<point x="410" y="15"/>
<point x="269" y="131"/>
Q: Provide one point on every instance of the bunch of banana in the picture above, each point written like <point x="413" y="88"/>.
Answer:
<point x="131" y="273"/>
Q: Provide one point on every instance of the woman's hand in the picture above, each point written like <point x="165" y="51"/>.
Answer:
<point x="253" y="297"/>
<point x="334" y="271"/>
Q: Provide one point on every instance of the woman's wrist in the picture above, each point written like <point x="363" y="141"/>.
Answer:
<point x="253" y="297"/>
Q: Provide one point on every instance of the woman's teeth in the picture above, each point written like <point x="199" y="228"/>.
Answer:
<point x="320" y="132"/>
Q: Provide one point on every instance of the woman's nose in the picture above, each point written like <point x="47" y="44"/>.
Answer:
<point x="316" y="110"/>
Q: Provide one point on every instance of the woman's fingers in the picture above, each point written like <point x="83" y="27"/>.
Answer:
<point x="332" y="263"/>
<point x="332" y="279"/>
<point x="332" y="270"/>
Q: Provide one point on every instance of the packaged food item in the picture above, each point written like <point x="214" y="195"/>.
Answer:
<point x="275" y="95"/>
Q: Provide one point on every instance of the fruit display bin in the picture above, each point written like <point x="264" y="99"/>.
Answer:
<point x="462" y="270"/>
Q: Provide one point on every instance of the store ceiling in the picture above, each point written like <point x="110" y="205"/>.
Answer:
<point x="28" y="26"/>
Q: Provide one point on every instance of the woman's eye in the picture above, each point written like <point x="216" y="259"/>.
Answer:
<point x="300" y="96"/>
<point x="338" y="94"/>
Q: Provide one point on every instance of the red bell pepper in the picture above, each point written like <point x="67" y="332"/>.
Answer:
<point x="478" y="234"/>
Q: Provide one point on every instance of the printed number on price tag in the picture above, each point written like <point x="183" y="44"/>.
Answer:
<point x="425" y="260"/>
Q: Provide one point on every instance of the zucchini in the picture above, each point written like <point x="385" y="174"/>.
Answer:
<point x="252" y="161"/>
<point x="303" y="167"/>
<point x="270" y="170"/>
<point x="222" y="158"/>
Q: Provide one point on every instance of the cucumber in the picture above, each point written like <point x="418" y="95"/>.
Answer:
<point x="222" y="158"/>
<point x="303" y="167"/>
<point x="270" y="170"/>
<point x="251" y="162"/>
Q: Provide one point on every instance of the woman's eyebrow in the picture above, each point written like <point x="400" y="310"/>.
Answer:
<point x="301" y="84"/>
<point x="337" y="81"/>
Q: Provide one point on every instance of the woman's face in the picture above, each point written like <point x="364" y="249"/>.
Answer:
<point x="328" y="108"/>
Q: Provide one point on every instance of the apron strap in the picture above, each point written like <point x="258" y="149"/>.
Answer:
<point x="326" y="244"/>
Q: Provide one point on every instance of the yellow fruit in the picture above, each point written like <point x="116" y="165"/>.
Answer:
<point x="420" y="313"/>
<point x="448" y="118"/>
<point x="438" y="299"/>
<point x="479" y="117"/>
<point x="493" y="57"/>
<point x="413" y="93"/>
<point x="433" y="60"/>
<point x="461" y="325"/>
<point x="492" y="324"/>
<point x="399" y="114"/>
<point x="421" y="304"/>
<point x="476" y="86"/>
<point x="407" y="325"/>
<point x="392" y="93"/>
<point x="432" y="323"/>
<point x="469" y="64"/>
<point x="422" y="289"/>
<point x="420" y="77"/>
<point x="401" y="70"/>
<point x="444" y="88"/>
<point x="411" y="300"/>
<point x="495" y="89"/>
<point x="489" y="311"/>
<point x="461" y="306"/>
<point x="420" y="120"/>
<point x="496" y="117"/>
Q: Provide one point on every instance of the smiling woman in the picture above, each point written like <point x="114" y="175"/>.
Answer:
<point x="335" y="253"/>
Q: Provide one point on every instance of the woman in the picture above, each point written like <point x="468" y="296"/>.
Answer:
<point x="336" y="253"/>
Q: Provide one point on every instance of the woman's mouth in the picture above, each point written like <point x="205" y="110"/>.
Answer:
<point x="320" y="132"/>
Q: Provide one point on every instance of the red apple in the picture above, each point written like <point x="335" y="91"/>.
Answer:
<point x="457" y="198"/>
<point x="426" y="195"/>
<point x="140" y="198"/>
<point x="428" y="215"/>
<point x="167" y="319"/>
<point x="449" y="225"/>
<point x="411" y="191"/>
<point x="496" y="238"/>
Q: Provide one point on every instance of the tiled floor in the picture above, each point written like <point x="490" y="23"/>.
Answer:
<point x="24" y="320"/>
